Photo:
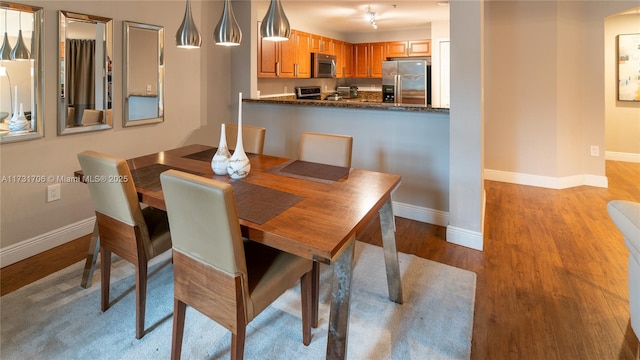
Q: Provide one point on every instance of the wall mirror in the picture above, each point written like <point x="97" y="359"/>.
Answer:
<point x="85" y="88"/>
<point x="21" y="72"/>
<point x="143" y="49"/>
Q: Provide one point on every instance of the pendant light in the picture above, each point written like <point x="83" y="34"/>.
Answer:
<point x="275" y="25"/>
<point x="5" y="50"/>
<point x="227" y="32"/>
<point x="20" y="51"/>
<point x="188" y="35"/>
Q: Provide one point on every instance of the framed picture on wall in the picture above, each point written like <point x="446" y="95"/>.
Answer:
<point x="629" y="67"/>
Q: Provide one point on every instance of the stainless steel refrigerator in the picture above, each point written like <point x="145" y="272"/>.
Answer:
<point x="406" y="82"/>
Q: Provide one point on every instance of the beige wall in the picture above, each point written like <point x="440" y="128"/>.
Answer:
<point x="622" y="117"/>
<point x="197" y="96"/>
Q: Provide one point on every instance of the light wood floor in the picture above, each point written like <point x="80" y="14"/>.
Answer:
<point x="551" y="281"/>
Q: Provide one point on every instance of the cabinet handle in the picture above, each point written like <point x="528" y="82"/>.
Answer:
<point x="277" y="68"/>
<point x="295" y="70"/>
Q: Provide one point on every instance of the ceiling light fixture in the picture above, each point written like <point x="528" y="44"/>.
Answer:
<point x="227" y="32"/>
<point x="5" y="50"/>
<point x="188" y="36"/>
<point x="275" y="25"/>
<point x="371" y="17"/>
<point x="20" y="51"/>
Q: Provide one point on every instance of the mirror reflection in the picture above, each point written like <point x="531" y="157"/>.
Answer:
<point x="21" y="72"/>
<point x="143" y="73"/>
<point x="86" y="49"/>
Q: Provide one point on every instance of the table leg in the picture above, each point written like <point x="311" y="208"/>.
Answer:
<point x="92" y="256"/>
<point x="340" y="296"/>
<point x="387" y="224"/>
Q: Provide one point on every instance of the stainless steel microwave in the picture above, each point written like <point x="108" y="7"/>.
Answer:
<point x="323" y="66"/>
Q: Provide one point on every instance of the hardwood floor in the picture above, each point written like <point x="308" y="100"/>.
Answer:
<point x="551" y="281"/>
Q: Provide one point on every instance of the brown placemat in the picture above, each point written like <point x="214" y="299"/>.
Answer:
<point x="258" y="204"/>
<point x="207" y="155"/>
<point x="311" y="171"/>
<point x="148" y="177"/>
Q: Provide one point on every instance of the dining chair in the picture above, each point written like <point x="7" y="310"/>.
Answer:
<point x="329" y="149"/>
<point x="131" y="232"/>
<point x="252" y="138"/>
<point x="91" y="117"/>
<point x="216" y="271"/>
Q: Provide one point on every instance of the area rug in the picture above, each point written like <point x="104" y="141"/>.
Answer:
<point x="55" y="318"/>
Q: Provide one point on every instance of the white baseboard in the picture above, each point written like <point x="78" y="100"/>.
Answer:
<point x="27" y="248"/>
<point x="464" y="237"/>
<point x="546" y="181"/>
<point x="417" y="213"/>
<point x="619" y="156"/>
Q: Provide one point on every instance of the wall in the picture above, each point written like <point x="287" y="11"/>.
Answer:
<point x="622" y="123"/>
<point x="544" y="91"/>
<point x="197" y="101"/>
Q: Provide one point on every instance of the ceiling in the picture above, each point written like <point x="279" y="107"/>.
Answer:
<point x="349" y="16"/>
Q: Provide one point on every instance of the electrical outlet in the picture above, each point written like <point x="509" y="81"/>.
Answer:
<point x="595" y="150"/>
<point x="148" y="89"/>
<point x="285" y="89"/>
<point x="53" y="192"/>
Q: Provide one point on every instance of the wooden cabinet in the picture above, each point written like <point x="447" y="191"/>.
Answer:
<point x="285" y="59"/>
<point x="344" y="55"/>
<point x="408" y="48"/>
<point x="367" y="59"/>
<point x="321" y="45"/>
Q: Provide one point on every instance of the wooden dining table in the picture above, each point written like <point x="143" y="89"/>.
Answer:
<point x="312" y="210"/>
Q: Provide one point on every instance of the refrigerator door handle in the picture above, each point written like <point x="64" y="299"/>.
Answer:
<point x="398" y="87"/>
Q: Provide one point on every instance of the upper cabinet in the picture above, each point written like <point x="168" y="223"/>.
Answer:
<point x="344" y="58"/>
<point x="322" y="45"/>
<point x="285" y="59"/>
<point x="367" y="59"/>
<point x="408" y="48"/>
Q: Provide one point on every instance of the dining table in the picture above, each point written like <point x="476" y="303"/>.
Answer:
<point x="315" y="211"/>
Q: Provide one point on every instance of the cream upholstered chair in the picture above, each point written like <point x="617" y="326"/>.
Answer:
<point x="91" y="117"/>
<point x="626" y="216"/>
<point x="215" y="271"/>
<point x="135" y="234"/>
<point x="329" y="149"/>
<point x="252" y="138"/>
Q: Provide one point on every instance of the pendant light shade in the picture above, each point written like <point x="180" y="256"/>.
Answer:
<point x="275" y="25"/>
<point x="227" y="31"/>
<point x="5" y="50"/>
<point x="188" y="35"/>
<point x="20" y="51"/>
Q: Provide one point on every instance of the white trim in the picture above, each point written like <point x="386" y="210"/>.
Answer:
<point x="619" y="156"/>
<point x="417" y="213"/>
<point x="464" y="237"/>
<point x="546" y="181"/>
<point x="27" y="248"/>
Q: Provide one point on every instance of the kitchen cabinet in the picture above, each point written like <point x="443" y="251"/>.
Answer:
<point x="367" y="59"/>
<point x="322" y="45"/>
<point x="343" y="52"/>
<point x="408" y="48"/>
<point x="285" y="59"/>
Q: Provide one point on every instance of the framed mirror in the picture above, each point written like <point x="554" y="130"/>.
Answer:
<point x="21" y="72"/>
<point x="84" y="69"/>
<point x="143" y="49"/>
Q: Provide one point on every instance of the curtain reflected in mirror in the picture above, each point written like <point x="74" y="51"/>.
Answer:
<point x="143" y="74"/>
<point x="86" y="47"/>
<point x="21" y="72"/>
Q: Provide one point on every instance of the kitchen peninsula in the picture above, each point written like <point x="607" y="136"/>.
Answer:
<point x="352" y="104"/>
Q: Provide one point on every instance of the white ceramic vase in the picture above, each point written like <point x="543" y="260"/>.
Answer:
<point x="19" y="122"/>
<point x="239" y="164"/>
<point x="220" y="161"/>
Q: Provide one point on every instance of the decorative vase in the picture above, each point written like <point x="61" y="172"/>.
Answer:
<point x="19" y="122"/>
<point x="220" y="160"/>
<point x="239" y="164"/>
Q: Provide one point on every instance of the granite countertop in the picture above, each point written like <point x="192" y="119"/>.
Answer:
<point x="357" y="103"/>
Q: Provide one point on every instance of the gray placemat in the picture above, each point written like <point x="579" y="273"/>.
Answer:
<point x="305" y="170"/>
<point x="148" y="177"/>
<point x="259" y="204"/>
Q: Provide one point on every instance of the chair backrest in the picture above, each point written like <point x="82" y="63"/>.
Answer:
<point x="252" y="138"/>
<point x="112" y="189"/>
<point x="204" y="220"/>
<point x="91" y="117"/>
<point x="329" y="149"/>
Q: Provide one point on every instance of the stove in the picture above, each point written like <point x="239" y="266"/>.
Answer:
<point x="308" y="93"/>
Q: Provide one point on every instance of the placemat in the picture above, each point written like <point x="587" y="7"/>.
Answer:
<point x="207" y="155"/>
<point x="258" y="204"/>
<point x="327" y="174"/>
<point x="149" y="176"/>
